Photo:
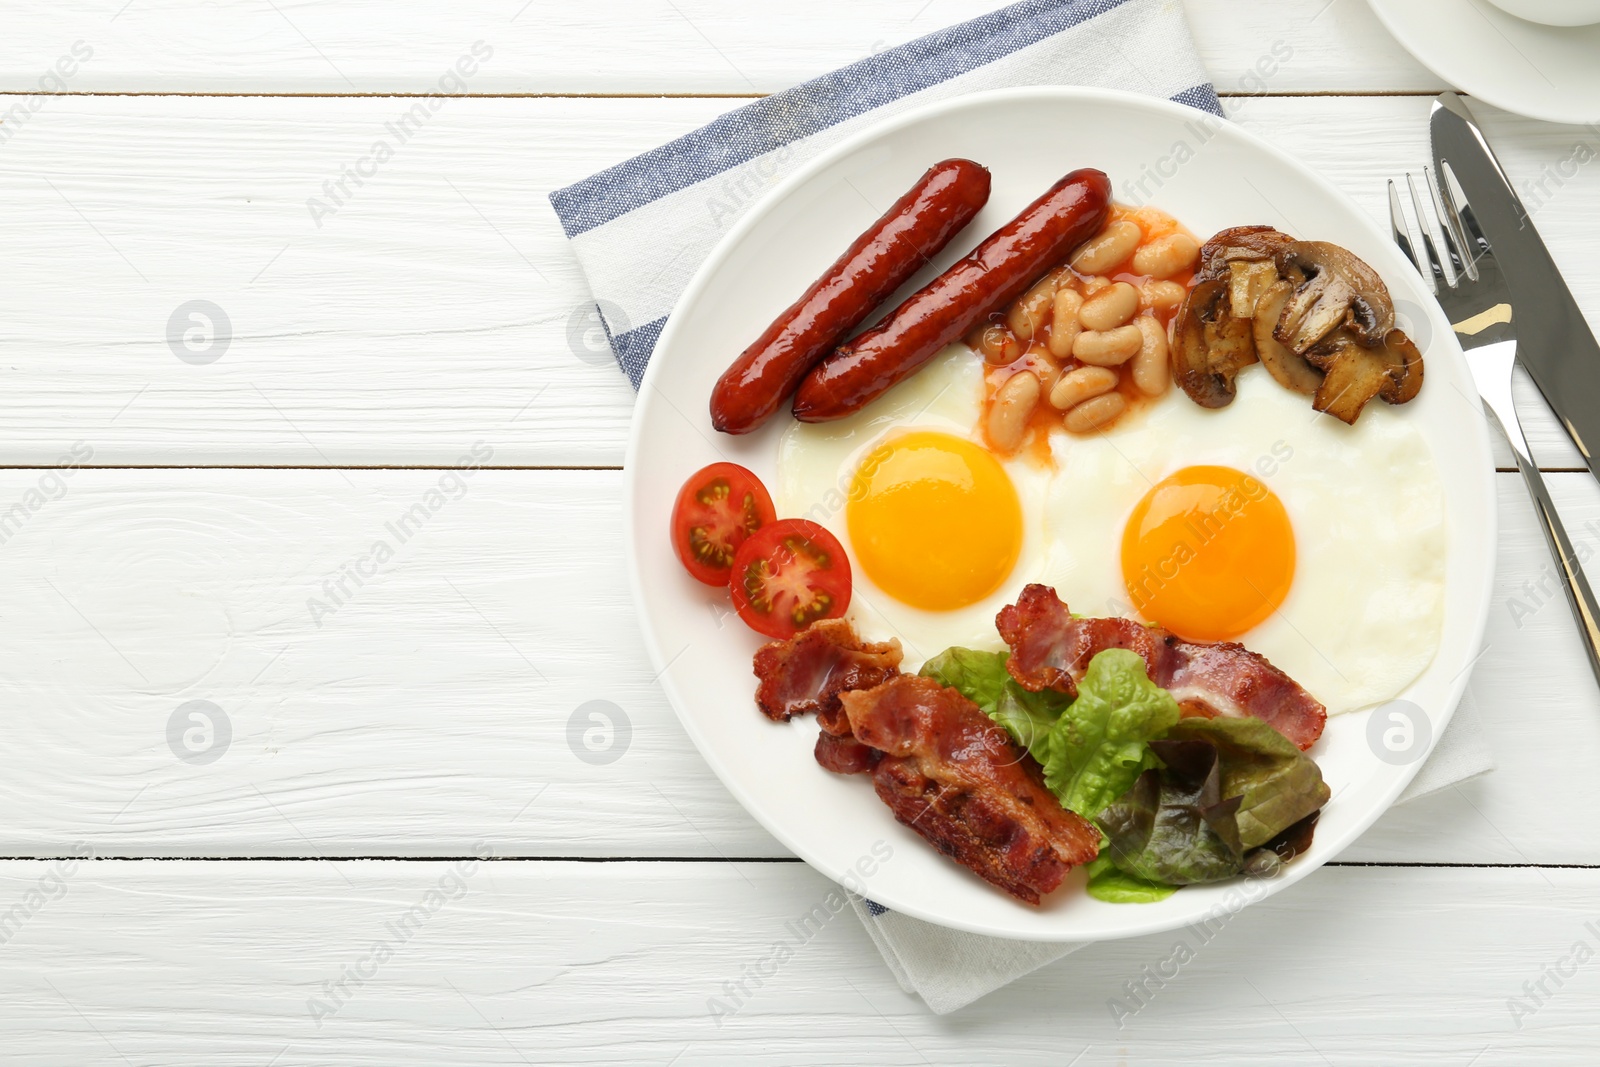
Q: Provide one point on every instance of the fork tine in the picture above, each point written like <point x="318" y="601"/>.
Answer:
<point x="1440" y="280"/>
<point x="1445" y="203"/>
<point x="1476" y="241"/>
<point x="1451" y="246"/>
<point x="1400" y="228"/>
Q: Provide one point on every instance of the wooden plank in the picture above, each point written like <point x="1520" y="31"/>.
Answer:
<point x="618" y="46"/>
<point x="625" y="964"/>
<point x="440" y="303"/>
<point x="432" y="703"/>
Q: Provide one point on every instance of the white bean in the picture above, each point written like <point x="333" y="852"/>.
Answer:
<point x="1095" y="413"/>
<point x="1106" y="249"/>
<point x="1013" y="403"/>
<point x="1108" y="348"/>
<point x="1150" y="370"/>
<point x="1111" y="307"/>
<point x="1166" y="256"/>
<point x="1064" y="328"/>
<point x="1076" y="386"/>
<point x="1163" y="296"/>
<point x="998" y="346"/>
<point x="1030" y="312"/>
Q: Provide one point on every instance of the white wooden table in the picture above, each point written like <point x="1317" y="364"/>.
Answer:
<point x="197" y="910"/>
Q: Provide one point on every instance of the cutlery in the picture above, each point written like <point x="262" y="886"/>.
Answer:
<point x="1555" y="343"/>
<point x="1478" y="301"/>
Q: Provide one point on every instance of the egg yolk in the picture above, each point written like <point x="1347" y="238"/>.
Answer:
<point x="1208" y="553"/>
<point x="934" y="520"/>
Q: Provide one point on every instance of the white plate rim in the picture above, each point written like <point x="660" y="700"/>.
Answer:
<point x="1462" y="69"/>
<point x="1476" y="429"/>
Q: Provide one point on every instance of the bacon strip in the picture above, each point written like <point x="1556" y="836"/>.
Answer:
<point x="1051" y="650"/>
<point x="807" y="672"/>
<point x="954" y="777"/>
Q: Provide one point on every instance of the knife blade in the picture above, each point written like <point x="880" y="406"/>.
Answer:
<point x="1553" y="339"/>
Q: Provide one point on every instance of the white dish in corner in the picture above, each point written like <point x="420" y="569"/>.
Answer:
<point x="704" y="654"/>
<point x="1543" y="72"/>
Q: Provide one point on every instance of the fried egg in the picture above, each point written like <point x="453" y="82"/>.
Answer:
<point x="1318" y="545"/>
<point x="941" y="531"/>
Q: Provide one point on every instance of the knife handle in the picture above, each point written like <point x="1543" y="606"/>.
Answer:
<point x="1581" y="598"/>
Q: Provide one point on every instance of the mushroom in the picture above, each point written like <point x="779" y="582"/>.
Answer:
<point x="1338" y="290"/>
<point x="1320" y="320"/>
<point x="1247" y="281"/>
<point x="1211" y="346"/>
<point x="1355" y="373"/>
<point x="1244" y="244"/>
<point x="1290" y="369"/>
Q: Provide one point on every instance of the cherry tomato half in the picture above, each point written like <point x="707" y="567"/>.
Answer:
<point x="718" y="508"/>
<point x="789" y="575"/>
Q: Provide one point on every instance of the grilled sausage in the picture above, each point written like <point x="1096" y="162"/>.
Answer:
<point x="881" y="260"/>
<point x="997" y="271"/>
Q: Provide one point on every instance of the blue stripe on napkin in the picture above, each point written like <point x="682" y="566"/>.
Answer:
<point x="774" y="121"/>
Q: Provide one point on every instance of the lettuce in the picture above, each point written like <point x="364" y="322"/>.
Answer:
<point x="1278" y="785"/>
<point x="979" y="675"/>
<point x="1100" y="743"/>
<point x="1174" y="826"/>
<point x="1091" y="748"/>
<point x="1115" y="886"/>
<point x="1178" y="801"/>
<point x="983" y="679"/>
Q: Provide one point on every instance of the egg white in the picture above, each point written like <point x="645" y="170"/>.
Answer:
<point x="1365" y="611"/>
<point x="817" y="462"/>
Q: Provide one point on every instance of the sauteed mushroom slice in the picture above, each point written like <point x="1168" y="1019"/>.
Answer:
<point x="1211" y="347"/>
<point x="1244" y="244"/>
<point x="1248" y="280"/>
<point x="1338" y="290"/>
<point x="1291" y="370"/>
<point x="1355" y="373"/>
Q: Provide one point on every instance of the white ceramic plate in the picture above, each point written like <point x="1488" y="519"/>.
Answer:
<point x="1543" y="72"/>
<point x="1028" y="138"/>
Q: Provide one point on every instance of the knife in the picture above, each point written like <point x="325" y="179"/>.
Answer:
<point x="1553" y="339"/>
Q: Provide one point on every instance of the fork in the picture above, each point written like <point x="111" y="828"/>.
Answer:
<point x="1477" y="301"/>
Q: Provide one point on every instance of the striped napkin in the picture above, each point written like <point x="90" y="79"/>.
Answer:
<point x="640" y="229"/>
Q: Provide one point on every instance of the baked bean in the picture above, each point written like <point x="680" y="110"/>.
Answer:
<point x="1064" y="328"/>
<point x="1108" y="348"/>
<point x="1150" y="371"/>
<point x="1095" y="413"/>
<point x="1166" y="256"/>
<point x="1109" y="247"/>
<point x="1076" y="386"/>
<point x="998" y="346"/>
<point x="1030" y="312"/>
<point x="1013" y="403"/>
<point x="1111" y="307"/>
<point x="1048" y="374"/>
<point x="1163" y="296"/>
<point x="1093" y="284"/>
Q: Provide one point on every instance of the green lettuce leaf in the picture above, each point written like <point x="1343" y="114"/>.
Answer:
<point x="1113" y="886"/>
<point x="1174" y="826"/>
<point x="1100" y="743"/>
<point x="979" y="675"/>
<point x="1278" y="785"/>
<point x="983" y="679"/>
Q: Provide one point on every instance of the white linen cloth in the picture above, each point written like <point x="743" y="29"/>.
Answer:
<point x="640" y="229"/>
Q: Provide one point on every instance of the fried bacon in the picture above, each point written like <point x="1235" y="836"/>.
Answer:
<point x="1051" y="650"/>
<point x="954" y="777"/>
<point x="807" y="672"/>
